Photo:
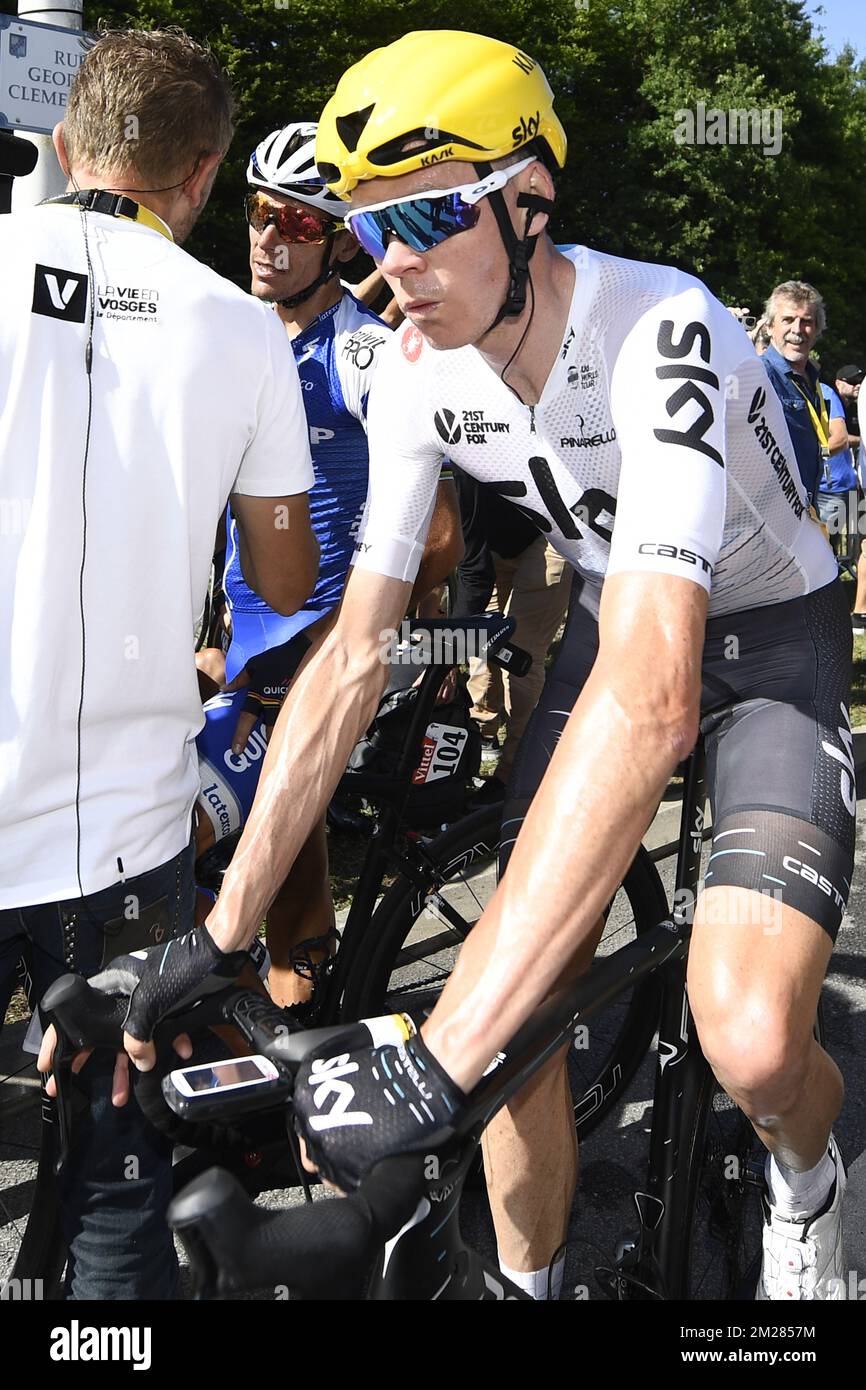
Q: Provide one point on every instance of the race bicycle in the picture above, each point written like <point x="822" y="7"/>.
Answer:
<point x="697" y="1210"/>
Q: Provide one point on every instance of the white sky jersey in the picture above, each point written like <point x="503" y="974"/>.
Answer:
<point x="195" y="395"/>
<point x="658" y="444"/>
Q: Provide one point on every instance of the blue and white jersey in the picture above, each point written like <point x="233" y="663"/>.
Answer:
<point x="336" y="357"/>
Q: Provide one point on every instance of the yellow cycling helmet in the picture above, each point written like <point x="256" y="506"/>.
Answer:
<point x="463" y="96"/>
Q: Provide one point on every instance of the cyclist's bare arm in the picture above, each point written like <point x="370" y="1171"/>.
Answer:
<point x="330" y="705"/>
<point x="279" y="550"/>
<point x="443" y="550"/>
<point x="636" y="718"/>
<point x="369" y="290"/>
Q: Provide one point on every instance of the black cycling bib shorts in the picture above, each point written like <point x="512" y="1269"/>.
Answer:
<point x="780" y="764"/>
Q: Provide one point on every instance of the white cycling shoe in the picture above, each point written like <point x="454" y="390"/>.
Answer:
<point x="803" y="1259"/>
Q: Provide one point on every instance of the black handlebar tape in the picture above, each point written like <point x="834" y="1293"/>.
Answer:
<point x="262" y="1022"/>
<point x="267" y="1029"/>
<point x="87" y="1017"/>
<point x="515" y="660"/>
<point x="392" y="1191"/>
<point x="195" y="1134"/>
<point x="321" y="1250"/>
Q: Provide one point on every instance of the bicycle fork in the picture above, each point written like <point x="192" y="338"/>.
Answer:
<point x="654" y="1264"/>
<point x="428" y="1258"/>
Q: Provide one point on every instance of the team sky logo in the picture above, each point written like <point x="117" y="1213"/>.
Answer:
<point x="473" y="430"/>
<point x="594" y="510"/>
<point x="59" y="294"/>
<point x="689" y="393"/>
<point x="845" y="757"/>
<point x="526" y="130"/>
<point x="569" y="339"/>
<point x="361" y="348"/>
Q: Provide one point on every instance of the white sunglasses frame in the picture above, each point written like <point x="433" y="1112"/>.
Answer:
<point x="470" y="192"/>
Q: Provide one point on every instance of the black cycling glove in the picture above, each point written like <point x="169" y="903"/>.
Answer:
<point x="359" y="1107"/>
<point x="161" y="978"/>
<point x="270" y="674"/>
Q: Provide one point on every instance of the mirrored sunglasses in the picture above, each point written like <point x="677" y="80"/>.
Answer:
<point x="422" y="221"/>
<point x="296" y="224"/>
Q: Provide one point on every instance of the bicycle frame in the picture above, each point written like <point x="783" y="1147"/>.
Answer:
<point x="655" y="1264"/>
<point x="427" y="1258"/>
<point x="391" y="793"/>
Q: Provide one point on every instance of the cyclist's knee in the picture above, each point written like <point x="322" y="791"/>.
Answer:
<point x="758" y="1053"/>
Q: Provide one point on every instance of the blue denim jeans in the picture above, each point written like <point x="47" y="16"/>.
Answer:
<point x="116" y="1186"/>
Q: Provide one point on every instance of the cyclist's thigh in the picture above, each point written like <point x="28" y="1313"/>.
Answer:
<point x="228" y="780"/>
<point x="779" y="753"/>
<point x="564" y="683"/>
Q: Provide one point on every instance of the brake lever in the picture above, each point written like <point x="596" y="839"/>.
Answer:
<point x="61" y="1067"/>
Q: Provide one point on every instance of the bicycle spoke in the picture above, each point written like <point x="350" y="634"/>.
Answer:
<point x="11" y="1075"/>
<point x="12" y="1227"/>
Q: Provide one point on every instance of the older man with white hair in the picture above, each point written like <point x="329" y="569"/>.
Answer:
<point x="796" y="317"/>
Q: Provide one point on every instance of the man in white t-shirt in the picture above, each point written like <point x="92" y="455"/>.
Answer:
<point x="142" y="390"/>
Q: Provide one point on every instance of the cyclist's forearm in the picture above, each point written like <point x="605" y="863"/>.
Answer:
<point x="601" y="791"/>
<point x="332" y="702"/>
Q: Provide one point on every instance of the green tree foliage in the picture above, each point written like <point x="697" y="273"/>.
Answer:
<point x="623" y="73"/>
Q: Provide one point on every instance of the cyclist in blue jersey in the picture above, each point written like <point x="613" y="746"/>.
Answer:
<point x="297" y="245"/>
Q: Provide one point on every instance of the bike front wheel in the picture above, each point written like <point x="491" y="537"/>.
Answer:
<point x="416" y="933"/>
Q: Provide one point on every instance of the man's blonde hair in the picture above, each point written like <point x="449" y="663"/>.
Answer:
<point x="147" y="105"/>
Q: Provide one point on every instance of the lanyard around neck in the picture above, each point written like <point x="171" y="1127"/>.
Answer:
<point x="112" y="205"/>
<point x="820" y="422"/>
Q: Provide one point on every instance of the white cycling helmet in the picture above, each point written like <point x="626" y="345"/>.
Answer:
<point x="285" y="163"/>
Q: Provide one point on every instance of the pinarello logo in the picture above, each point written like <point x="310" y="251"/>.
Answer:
<point x="412" y="343"/>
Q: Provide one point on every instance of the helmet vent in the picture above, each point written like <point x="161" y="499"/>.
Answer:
<point x="394" y="151"/>
<point x="351" y="128"/>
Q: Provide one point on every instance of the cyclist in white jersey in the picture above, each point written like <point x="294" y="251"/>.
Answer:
<point x="621" y="406"/>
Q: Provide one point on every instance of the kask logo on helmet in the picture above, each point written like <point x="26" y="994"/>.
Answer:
<point x="437" y="156"/>
<point x="524" y="62"/>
